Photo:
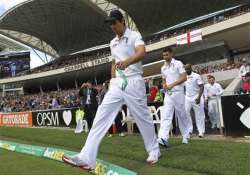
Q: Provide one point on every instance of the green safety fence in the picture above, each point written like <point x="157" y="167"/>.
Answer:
<point x="102" y="167"/>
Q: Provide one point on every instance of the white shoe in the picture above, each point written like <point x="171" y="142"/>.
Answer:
<point x="71" y="160"/>
<point x="78" y="131"/>
<point x="153" y="158"/>
<point x="201" y="135"/>
<point x="163" y="142"/>
<point x="74" y="160"/>
<point x="185" y="141"/>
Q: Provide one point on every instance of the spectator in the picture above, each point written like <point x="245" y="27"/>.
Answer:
<point x="55" y="103"/>
<point x="244" y="68"/>
<point x="103" y="91"/>
<point x="159" y="95"/>
<point x="152" y="93"/>
<point x="246" y="85"/>
<point x="89" y="101"/>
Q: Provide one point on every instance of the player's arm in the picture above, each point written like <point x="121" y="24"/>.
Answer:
<point x="140" y="52"/>
<point x="220" y="90"/>
<point x="201" y="86"/>
<point x="182" y="79"/>
<point x="164" y="83"/>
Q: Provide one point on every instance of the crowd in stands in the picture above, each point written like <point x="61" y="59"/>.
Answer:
<point x="69" y="98"/>
<point x="41" y="101"/>
<point x="206" y="69"/>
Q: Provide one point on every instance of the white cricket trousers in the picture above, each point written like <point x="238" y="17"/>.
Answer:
<point x="198" y="112"/>
<point x="134" y="97"/>
<point x="213" y="112"/>
<point x="174" y="102"/>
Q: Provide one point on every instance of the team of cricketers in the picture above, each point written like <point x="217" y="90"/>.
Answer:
<point x="184" y="90"/>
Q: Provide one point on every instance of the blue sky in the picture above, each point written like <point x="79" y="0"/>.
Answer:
<point x="7" y="4"/>
<point x="1" y="9"/>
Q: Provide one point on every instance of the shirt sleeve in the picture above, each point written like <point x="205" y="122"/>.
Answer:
<point x="219" y="90"/>
<point x="138" y="40"/>
<point x="199" y="80"/>
<point x="180" y="67"/>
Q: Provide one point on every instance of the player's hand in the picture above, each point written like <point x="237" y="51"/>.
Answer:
<point x="122" y="64"/>
<point x="164" y="86"/>
<point x="168" y="87"/>
<point x="197" y="101"/>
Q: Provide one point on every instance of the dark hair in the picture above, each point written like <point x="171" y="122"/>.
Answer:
<point x="168" y="49"/>
<point x="211" y="76"/>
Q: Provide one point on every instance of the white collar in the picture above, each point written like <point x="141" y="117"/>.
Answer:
<point x="171" y="63"/>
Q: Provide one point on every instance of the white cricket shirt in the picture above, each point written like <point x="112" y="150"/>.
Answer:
<point x="124" y="47"/>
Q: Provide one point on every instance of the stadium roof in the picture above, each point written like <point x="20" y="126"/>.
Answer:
<point x="62" y="27"/>
<point x="8" y="45"/>
<point x="152" y="16"/>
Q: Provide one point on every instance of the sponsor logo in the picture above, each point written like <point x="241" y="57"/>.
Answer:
<point x="53" y="154"/>
<point x="47" y="119"/>
<point x="67" y="117"/>
<point x="16" y="119"/>
<point x="100" y="168"/>
<point x="245" y="118"/>
<point x="103" y="169"/>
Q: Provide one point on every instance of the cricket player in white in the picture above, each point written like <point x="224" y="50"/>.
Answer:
<point x="213" y="92"/>
<point x="174" y="76"/>
<point x="194" y="99"/>
<point x="126" y="86"/>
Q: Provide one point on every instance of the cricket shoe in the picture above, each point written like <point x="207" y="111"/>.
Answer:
<point x="76" y="162"/>
<point x="201" y="135"/>
<point x="153" y="157"/>
<point x="185" y="141"/>
<point x="163" y="142"/>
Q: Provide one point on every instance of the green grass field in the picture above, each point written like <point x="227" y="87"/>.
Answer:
<point x="199" y="157"/>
